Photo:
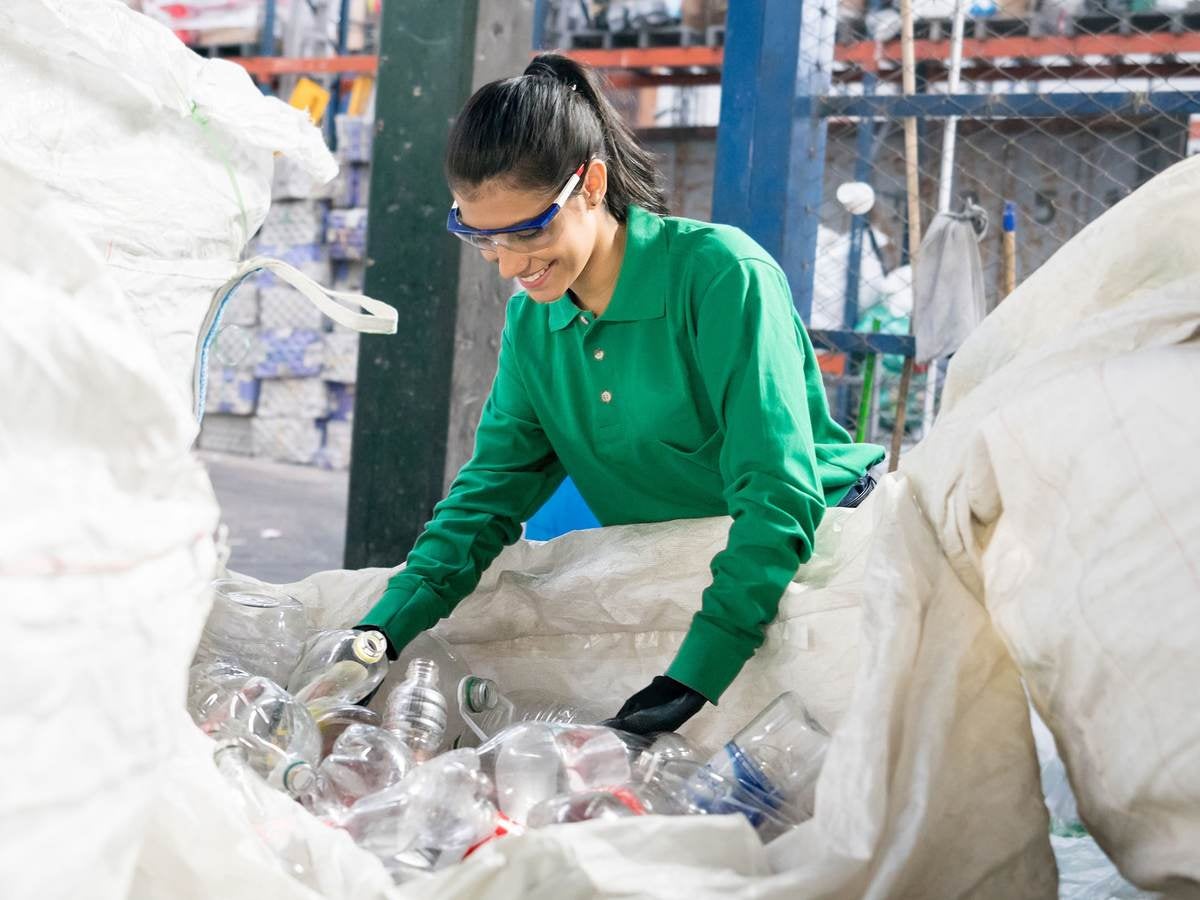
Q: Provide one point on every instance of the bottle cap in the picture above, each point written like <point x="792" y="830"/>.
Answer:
<point x="370" y="646"/>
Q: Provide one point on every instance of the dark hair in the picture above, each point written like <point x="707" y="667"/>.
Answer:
<point x="536" y="129"/>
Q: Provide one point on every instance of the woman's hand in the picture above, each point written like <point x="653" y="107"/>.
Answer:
<point x="664" y="705"/>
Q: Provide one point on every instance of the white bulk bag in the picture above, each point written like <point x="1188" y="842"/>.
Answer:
<point x="106" y="555"/>
<point x="1047" y="528"/>
<point x="163" y="158"/>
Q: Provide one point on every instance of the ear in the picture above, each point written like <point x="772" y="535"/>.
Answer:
<point x="595" y="183"/>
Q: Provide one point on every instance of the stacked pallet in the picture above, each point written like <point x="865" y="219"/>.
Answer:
<point x="281" y="377"/>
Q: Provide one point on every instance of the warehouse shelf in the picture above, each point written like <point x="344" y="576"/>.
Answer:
<point x="990" y="58"/>
<point x="270" y="66"/>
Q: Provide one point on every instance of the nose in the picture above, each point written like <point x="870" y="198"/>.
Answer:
<point x="511" y="264"/>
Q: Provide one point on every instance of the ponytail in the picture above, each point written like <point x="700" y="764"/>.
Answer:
<point x="535" y="130"/>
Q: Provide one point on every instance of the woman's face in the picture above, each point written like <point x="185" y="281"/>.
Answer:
<point x="545" y="274"/>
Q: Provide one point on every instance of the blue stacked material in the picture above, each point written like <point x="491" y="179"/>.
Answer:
<point x="288" y="353"/>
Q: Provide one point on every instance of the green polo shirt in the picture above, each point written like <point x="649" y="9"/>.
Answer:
<point x="695" y="394"/>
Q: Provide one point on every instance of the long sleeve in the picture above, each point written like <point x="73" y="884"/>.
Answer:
<point x="511" y="473"/>
<point x="752" y="356"/>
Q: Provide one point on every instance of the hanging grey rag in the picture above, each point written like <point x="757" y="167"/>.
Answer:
<point x="949" y="293"/>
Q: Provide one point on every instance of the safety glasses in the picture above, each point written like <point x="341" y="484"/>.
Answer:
<point x="524" y="237"/>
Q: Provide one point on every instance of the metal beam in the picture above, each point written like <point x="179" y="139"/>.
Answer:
<point x="863" y="342"/>
<point x="403" y="397"/>
<point x="1001" y="106"/>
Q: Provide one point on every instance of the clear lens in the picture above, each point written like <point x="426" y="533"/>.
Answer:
<point x="529" y="241"/>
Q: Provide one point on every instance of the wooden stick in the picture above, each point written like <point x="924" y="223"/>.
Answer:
<point x="1010" y="248"/>
<point x="912" y="179"/>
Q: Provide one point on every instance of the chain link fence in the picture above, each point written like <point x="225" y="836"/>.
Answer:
<point x="1061" y="109"/>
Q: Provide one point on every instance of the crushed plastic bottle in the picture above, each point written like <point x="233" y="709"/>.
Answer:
<point x="340" y="666"/>
<point x="604" y="803"/>
<point x="416" y="710"/>
<point x="430" y="819"/>
<point x="254" y="627"/>
<point x="487" y="711"/>
<point x="211" y="683"/>
<point x="364" y="760"/>
<point x="777" y="758"/>
<point x="333" y="718"/>
<point x="280" y="739"/>
<point x="534" y="761"/>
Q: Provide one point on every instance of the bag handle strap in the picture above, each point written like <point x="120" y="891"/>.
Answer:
<point x="372" y="316"/>
<point x="379" y="318"/>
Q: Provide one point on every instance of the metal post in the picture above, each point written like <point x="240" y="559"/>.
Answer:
<point x="540" y="11"/>
<point x="864" y="153"/>
<point x="266" y="37"/>
<point x="771" y="140"/>
<point x="403" y="396"/>
<point x="335" y="99"/>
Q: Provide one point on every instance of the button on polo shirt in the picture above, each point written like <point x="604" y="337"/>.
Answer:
<point x="695" y="394"/>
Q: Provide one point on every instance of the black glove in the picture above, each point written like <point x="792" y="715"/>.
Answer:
<point x="662" y="706"/>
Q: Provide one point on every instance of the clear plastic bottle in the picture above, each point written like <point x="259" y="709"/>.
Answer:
<point x="534" y="761"/>
<point x="254" y="627"/>
<point x="211" y="683"/>
<point x="603" y="803"/>
<point x="777" y="758"/>
<point x="280" y="739"/>
<point x="430" y="819"/>
<point x="416" y="710"/>
<point x="364" y="760"/>
<point x="487" y="711"/>
<point x="340" y="666"/>
<point x="281" y="836"/>
<point x="452" y="669"/>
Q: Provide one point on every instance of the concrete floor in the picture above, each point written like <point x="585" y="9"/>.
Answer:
<point x="285" y="521"/>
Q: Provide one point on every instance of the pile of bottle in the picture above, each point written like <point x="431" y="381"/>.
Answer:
<point x="446" y="762"/>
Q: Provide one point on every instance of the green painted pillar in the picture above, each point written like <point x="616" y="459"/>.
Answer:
<point x="403" y="398"/>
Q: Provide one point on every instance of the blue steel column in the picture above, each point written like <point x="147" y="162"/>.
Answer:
<point x="770" y="140"/>
<point x="541" y="9"/>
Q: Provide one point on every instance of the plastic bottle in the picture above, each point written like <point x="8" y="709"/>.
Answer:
<point x="452" y="669"/>
<point x="254" y="627"/>
<point x="416" y="710"/>
<point x="280" y="738"/>
<point x="280" y="835"/>
<point x="340" y="666"/>
<point x="533" y="761"/>
<point x="777" y="757"/>
<point x="210" y="684"/>
<point x="605" y="803"/>
<point x="487" y="711"/>
<point x="430" y="819"/>
<point x="364" y="760"/>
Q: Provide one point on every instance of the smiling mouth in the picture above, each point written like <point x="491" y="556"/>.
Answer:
<point x="535" y="279"/>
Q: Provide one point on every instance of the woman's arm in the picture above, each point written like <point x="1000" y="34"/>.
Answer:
<point x="752" y="362"/>
<point x="509" y="476"/>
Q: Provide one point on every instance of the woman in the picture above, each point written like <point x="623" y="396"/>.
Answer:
<point x="657" y="360"/>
